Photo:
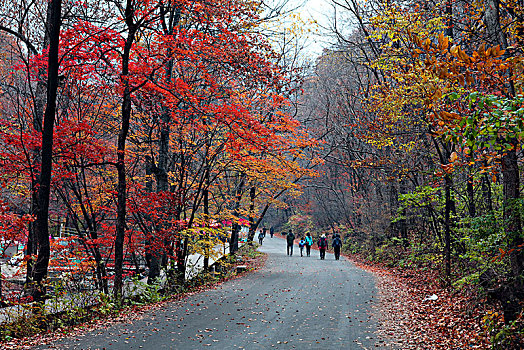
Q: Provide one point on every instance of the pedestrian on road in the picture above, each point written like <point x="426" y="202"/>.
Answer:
<point x="337" y="244"/>
<point x="261" y="236"/>
<point x="309" y="243"/>
<point x="290" y="238"/>
<point x="301" y="245"/>
<point x="271" y="231"/>
<point x="322" y="246"/>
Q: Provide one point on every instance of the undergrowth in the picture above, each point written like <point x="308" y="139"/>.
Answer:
<point x="471" y="259"/>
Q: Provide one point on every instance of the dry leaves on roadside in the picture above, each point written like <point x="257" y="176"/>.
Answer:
<point x="407" y="321"/>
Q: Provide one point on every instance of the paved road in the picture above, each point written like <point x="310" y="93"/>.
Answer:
<point x="292" y="303"/>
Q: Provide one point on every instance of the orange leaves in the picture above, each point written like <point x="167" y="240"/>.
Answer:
<point x="503" y="253"/>
<point x="443" y="42"/>
<point x="454" y="50"/>
<point x="454" y="66"/>
<point x="459" y="53"/>
<point x="449" y="116"/>
<point x="493" y="52"/>
<point x="447" y="168"/>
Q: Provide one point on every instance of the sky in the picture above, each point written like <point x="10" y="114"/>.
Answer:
<point x="320" y="11"/>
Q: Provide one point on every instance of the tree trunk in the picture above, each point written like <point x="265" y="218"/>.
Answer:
<point x="150" y="264"/>
<point x="181" y="242"/>
<point x="157" y="247"/>
<point x="511" y="182"/>
<point x="447" y="227"/>
<point x="486" y="192"/>
<point x="393" y="207"/>
<point x="121" y="196"/>
<point x="402" y="223"/>
<point x="513" y="225"/>
<point x="39" y="106"/>
<point x="235" y="229"/>
<point x="449" y="19"/>
<point x="206" y="214"/>
<point x="121" y="149"/>
<point x="42" y="214"/>
<point x="471" y="197"/>
<point x="252" y="224"/>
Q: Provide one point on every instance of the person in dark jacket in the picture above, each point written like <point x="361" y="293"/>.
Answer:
<point x="261" y="236"/>
<point x="337" y="244"/>
<point x="290" y="238"/>
<point x="271" y="231"/>
<point x="322" y="246"/>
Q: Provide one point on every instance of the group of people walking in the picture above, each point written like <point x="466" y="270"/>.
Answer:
<point x="307" y="242"/>
<point x="262" y="234"/>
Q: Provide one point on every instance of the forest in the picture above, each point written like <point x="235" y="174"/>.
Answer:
<point x="136" y="133"/>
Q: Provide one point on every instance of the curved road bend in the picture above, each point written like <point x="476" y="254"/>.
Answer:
<point x="291" y="303"/>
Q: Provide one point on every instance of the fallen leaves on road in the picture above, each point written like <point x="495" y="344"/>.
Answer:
<point x="128" y="315"/>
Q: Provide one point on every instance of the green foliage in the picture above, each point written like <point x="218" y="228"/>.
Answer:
<point x="395" y="253"/>
<point x="27" y="324"/>
<point x="482" y="236"/>
<point x="105" y="305"/>
<point x="504" y="336"/>
<point x="388" y="254"/>
<point x="421" y="196"/>
<point x="350" y="246"/>
<point x="249" y="251"/>
<point x="145" y="293"/>
<point x="494" y="122"/>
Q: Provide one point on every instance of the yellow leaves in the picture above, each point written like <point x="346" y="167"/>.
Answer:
<point x="409" y="146"/>
<point x="453" y="157"/>
<point x="380" y="143"/>
<point x="427" y="43"/>
<point x="459" y="53"/>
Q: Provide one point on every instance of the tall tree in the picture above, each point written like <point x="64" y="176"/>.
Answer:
<point x="44" y="185"/>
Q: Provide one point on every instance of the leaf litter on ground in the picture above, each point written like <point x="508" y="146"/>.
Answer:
<point x="414" y="312"/>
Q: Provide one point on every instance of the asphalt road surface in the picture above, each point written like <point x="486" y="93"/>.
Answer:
<point x="293" y="302"/>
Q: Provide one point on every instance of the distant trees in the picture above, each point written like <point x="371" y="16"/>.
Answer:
<point x="418" y="107"/>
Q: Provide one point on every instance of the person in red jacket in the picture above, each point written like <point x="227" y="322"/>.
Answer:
<point x="322" y="246"/>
